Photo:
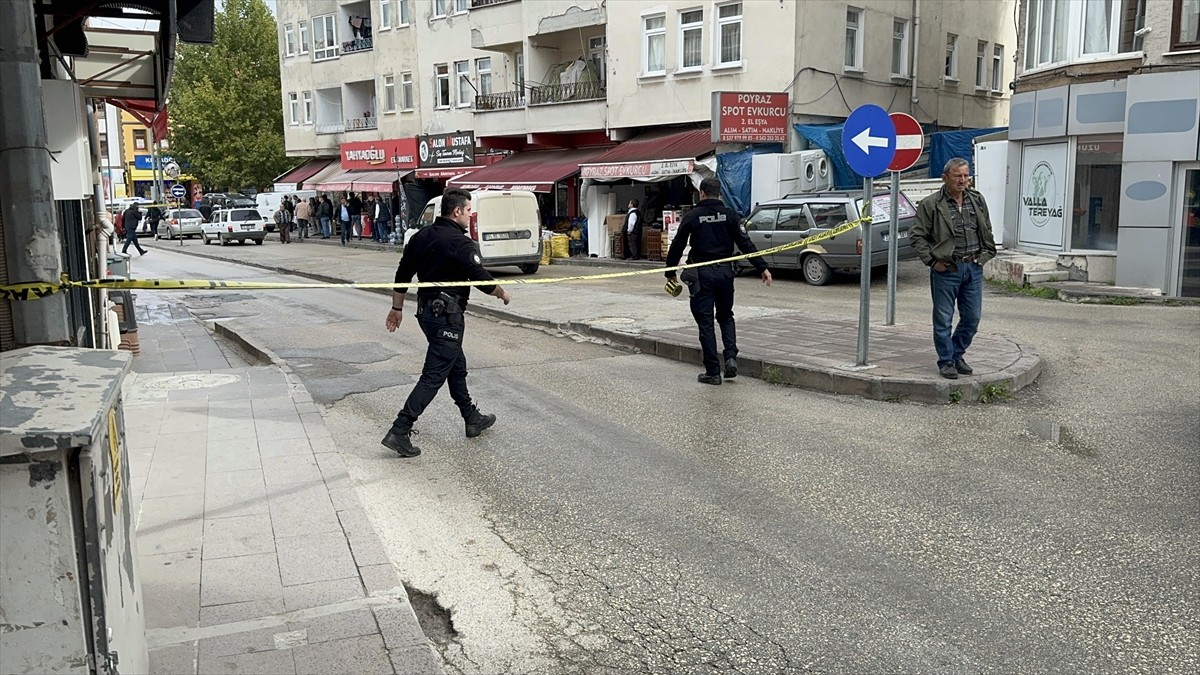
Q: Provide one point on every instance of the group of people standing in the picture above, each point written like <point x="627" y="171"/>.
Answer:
<point x="353" y="216"/>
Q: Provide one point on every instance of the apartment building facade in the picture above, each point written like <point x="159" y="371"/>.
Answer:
<point x="612" y="86"/>
<point x="1104" y="152"/>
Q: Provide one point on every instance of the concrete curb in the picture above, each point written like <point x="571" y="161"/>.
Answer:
<point x="828" y="378"/>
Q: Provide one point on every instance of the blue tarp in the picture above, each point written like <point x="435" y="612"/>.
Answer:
<point x="734" y="169"/>
<point x="946" y="145"/>
<point x="942" y="146"/>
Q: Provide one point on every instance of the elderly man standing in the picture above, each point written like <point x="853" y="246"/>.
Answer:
<point x="953" y="236"/>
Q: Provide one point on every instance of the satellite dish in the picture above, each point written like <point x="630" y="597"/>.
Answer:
<point x="171" y="169"/>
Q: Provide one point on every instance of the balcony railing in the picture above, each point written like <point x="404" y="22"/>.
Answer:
<point x="484" y="3"/>
<point x="505" y="100"/>
<point x="361" y="123"/>
<point x="566" y="93"/>
<point x="334" y="128"/>
<point x="364" y="44"/>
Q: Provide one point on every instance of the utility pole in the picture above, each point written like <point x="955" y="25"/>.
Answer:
<point x="33" y="248"/>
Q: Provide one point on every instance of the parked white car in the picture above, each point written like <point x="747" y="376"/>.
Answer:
<point x="180" y="223"/>
<point x="237" y="224"/>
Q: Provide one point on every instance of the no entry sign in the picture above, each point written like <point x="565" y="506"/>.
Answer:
<point x="909" y="141"/>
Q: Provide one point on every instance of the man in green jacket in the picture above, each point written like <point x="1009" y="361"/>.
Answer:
<point x="953" y="236"/>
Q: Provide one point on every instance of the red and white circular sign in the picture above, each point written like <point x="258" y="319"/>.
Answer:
<point x="909" y="141"/>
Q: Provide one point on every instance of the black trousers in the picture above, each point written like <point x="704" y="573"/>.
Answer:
<point x="633" y="242"/>
<point x="711" y="290"/>
<point x="444" y="362"/>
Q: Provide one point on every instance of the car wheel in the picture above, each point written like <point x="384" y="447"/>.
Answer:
<point x="528" y="268"/>
<point x="224" y="241"/>
<point x="258" y="242"/>
<point x="816" y="272"/>
<point x="207" y="241"/>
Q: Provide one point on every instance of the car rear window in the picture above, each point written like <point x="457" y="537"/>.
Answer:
<point x="186" y="213"/>
<point x="244" y="214"/>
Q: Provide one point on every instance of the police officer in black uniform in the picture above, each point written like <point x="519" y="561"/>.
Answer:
<point x="440" y="252"/>
<point x="713" y="229"/>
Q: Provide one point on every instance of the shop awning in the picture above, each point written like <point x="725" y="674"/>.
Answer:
<point x="652" y="156"/>
<point x="294" y="178"/>
<point x="536" y="170"/>
<point x="357" y="181"/>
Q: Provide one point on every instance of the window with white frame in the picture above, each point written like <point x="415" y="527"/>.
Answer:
<point x="519" y="74"/>
<point x="461" y="6"/>
<point x="389" y="93"/>
<point x="854" y="38"/>
<point x="981" y="61"/>
<point x="1060" y="31"/>
<point x="439" y="8"/>
<point x="325" y="44"/>
<point x="462" y="75"/>
<point x="406" y="92"/>
<point x="441" y="73"/>
<point x="997" y="67"/>
<point x="308" y="107"/>
<point x="691" y="39"/>
<point x="293" y="108"/>
<point x="303" y="26"/>
<point x="385" y="14"/>
<point x="729" y="34"/>
<point x="289" y="40"/>
<point x="404" y="12"/>
<point x="899" y="47"/>
<point x="654" y="44"/>
<point x="1185" y="25"/>
<point x="951" y="71"/>
<point x="597" y="46"/>
<point x="483" y="74"/>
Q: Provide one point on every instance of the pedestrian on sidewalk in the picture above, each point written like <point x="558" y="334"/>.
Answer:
<point x="953" y="236"/>
<point x="344" y="221"/>
<point x="440" y="252"/>
<point x="631" y="234"/>
<point x="712" y="229"/>
<point x="130" y="220"/>
<point x="325" y="215"/>
<point x="283" y="224"/>
<point x="382" y="220"/>
<point x="356" y="210"/>
<point x="303" y="217"/>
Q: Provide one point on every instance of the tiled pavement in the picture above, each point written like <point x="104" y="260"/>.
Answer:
<point x="255" y="555"/>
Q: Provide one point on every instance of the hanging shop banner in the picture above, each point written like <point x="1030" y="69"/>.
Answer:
<point x="1043" y="194"/>
<point x="447" y="150"/>
<point x="668" y="167"/>
<point x="749" y="117"/>
<point x="395" y="153"/>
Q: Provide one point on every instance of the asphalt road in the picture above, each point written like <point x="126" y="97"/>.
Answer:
<point x="621" y="518"/>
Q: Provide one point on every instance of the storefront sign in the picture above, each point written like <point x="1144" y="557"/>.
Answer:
<point x="1043" y="193"/>
<point x="749" y="117"/>
<point x="396" y="153"/>
<point x="673" y="167"/>
<point x="447" y="150"/>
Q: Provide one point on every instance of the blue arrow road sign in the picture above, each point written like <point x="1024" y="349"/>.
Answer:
<point x="869" y="140"/>
<point x="179" y="192"/>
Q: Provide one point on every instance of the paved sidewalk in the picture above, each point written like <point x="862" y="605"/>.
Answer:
<point x="804" y="349"/>
<point x="254" y="553"/>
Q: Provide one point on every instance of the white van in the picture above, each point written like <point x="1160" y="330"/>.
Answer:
<point x="268" y="202"/>
<point x="505" y="224"/>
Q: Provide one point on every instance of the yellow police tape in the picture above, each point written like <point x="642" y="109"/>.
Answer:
<point x="37" y="289"/>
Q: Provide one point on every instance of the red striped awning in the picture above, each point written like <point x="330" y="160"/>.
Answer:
<point x="535" y="170"/>
<point x="301" y="173"/>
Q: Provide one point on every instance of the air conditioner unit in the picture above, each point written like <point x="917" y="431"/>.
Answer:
<point x="814" y="171"/>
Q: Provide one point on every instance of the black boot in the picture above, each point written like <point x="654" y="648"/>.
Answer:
<point x="401" y="442"/>
<point x="477" y="422"/>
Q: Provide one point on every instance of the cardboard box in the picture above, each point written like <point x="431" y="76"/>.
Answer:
<point x="615" y="222"/>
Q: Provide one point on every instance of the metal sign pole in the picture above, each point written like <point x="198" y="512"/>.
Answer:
<point x="893" y="244"/>
<point x="864" y="290"/>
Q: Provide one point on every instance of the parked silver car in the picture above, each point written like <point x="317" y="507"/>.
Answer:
<point x="797" y="216"/>
<point x="180" y="223"/>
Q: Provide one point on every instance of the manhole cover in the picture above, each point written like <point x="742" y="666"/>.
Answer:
<point x="191" y="381"/>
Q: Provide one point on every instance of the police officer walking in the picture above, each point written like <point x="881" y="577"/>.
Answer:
<point x="712" y="229"/>
<point x="440" y="252"/>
